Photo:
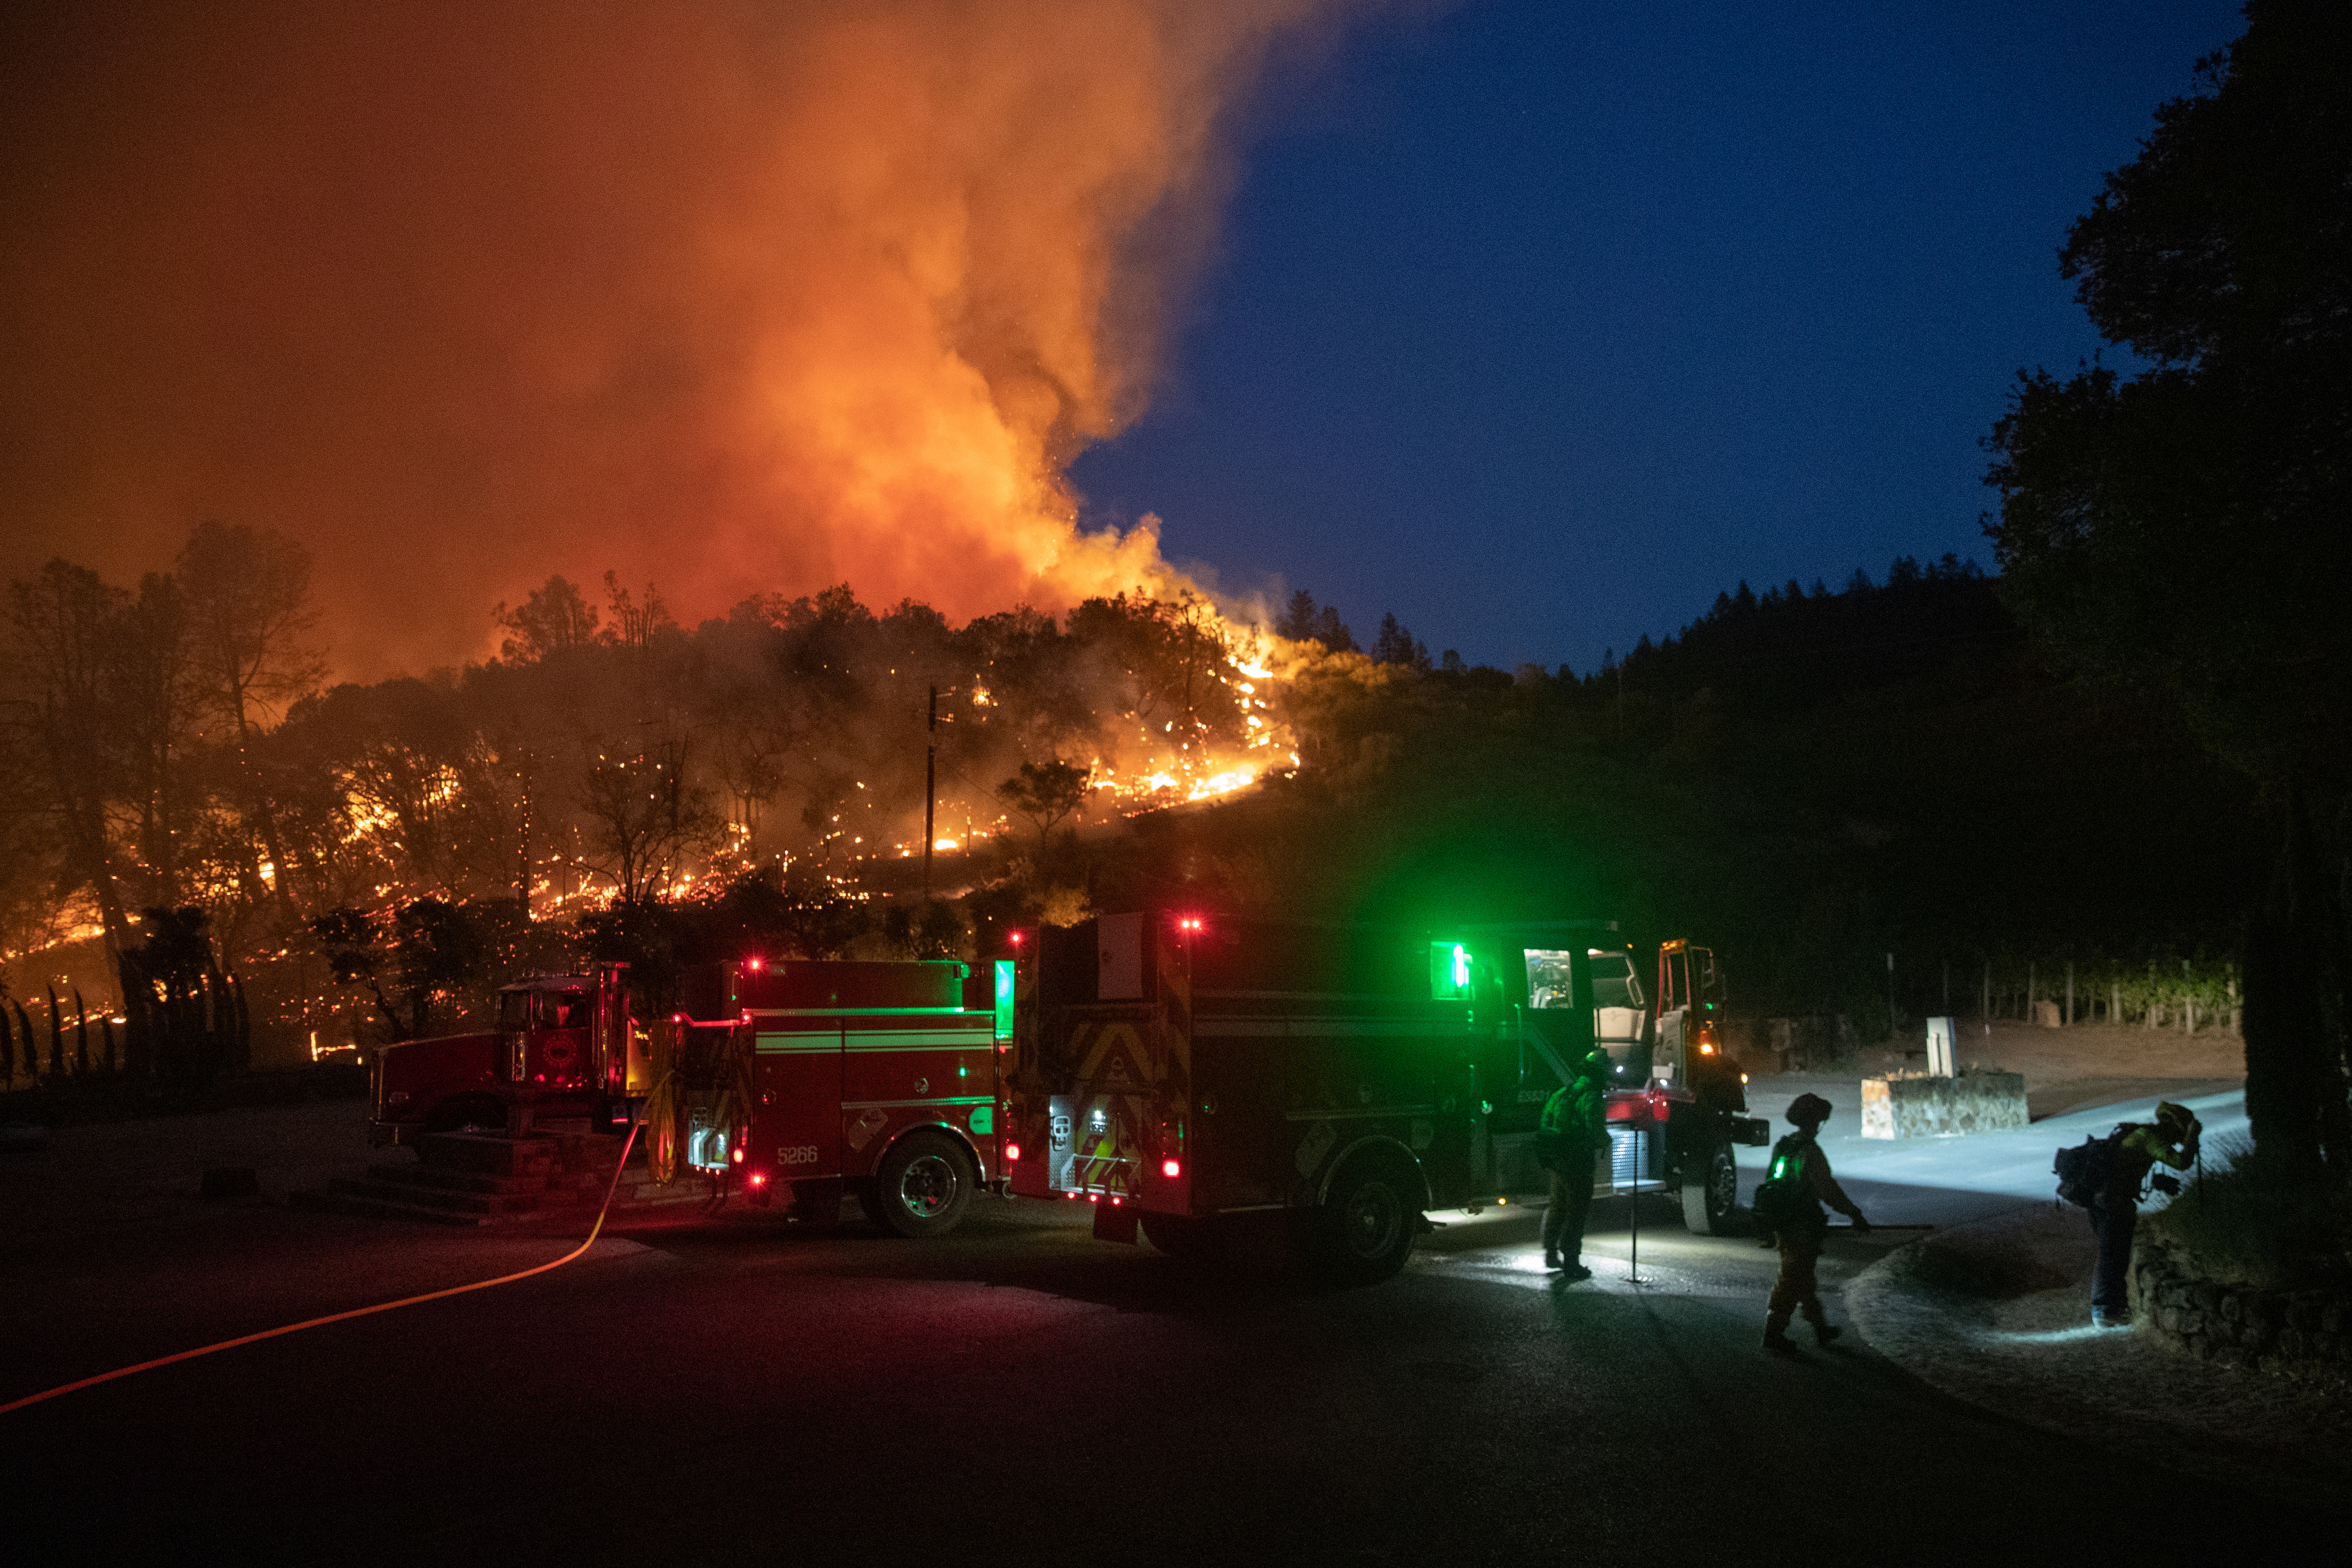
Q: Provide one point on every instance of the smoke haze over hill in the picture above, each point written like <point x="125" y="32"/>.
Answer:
<point x="728" y="296"/>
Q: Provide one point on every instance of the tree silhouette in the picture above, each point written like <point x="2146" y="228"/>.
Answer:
<point x="1047" y="793"/>
<point x="553" y="619"/>
<point x="2181" y="533"/>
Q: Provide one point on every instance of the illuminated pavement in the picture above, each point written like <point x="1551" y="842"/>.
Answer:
<point x="733" y="1390"/>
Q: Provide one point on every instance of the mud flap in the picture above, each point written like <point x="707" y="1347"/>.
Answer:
<point x="1115" y="1223"/>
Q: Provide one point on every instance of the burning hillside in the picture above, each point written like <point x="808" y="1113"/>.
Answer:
<point x="734" y="297"/>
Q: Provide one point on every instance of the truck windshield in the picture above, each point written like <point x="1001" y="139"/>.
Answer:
<point x="1549" y="984"/>
<point x="1613" y="981"/>
<point x="542" y="1010"/>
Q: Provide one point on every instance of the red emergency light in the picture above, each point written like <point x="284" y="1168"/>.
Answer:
<point x="753" y="964"/>
<point x="758" y="1178"/>
<point x="1172" y="1169"/>
<point x="1011" y="1154"/>
<point x="1189" y="924"/>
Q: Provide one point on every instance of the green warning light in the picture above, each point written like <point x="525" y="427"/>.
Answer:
<point x="1004" y="998"/>
<point x="1449" y="971"/>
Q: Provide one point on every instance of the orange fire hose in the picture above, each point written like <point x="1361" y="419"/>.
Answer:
<point x="610" y="1189"/>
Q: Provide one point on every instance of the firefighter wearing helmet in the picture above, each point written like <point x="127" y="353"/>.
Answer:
<point x="1570" y="1131"/>
<point x="1789" y="1206"/>
<point x="2115" y="1207"/>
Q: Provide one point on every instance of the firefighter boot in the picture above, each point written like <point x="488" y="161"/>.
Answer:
<point x="1552" y="1257"/>
<point x="1776" y="1334"/>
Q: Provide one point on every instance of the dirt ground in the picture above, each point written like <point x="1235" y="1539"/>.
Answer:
<point x="2088" y="1064"/>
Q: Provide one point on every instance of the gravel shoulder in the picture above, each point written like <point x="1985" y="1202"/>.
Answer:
<point x="1993" y="1312"/>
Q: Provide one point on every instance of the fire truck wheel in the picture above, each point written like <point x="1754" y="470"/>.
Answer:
<point x="1711" y="1195"/>
<point x="1367" y="1224"/>
<point x="925" y="1184"/>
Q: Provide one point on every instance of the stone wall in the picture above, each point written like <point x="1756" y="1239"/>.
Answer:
<point x="1904" y="1106"/>
<point x="2299" y="1333"/>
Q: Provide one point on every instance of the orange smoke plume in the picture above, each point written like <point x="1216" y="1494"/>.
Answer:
<point x="731" y="296"/>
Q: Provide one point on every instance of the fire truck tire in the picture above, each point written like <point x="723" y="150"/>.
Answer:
<point x="1365" y="1231"/>
<point x="925" y="1184"/>
<point x="1711" y="1195"/>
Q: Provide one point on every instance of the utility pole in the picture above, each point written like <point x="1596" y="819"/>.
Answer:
<point x="931" y="787"/>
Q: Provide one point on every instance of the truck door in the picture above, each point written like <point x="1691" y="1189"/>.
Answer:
<point x="798" y="1079"/>
<point x="1674" y="1023"/>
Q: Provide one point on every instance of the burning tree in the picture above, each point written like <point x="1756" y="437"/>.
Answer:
<point x="644" y="818"/>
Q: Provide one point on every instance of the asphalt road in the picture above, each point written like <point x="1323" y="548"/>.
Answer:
<point x="733" y="1389"/>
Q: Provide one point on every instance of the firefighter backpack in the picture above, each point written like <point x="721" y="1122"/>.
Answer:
<point x="2082" y="1170"/>
<point x="1784" y="1201"/>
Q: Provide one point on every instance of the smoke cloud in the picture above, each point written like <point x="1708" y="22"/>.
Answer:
<point x="731" y="296"/>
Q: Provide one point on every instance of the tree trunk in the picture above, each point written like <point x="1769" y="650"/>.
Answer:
<point x="2293" y="1013"/>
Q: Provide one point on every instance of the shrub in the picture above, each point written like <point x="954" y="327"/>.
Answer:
<point x="2246" y="1219"/>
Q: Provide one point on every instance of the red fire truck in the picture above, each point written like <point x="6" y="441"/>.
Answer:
<point x="1179" y="1074"/>
<point x="873" y="1079"/>
<point x="565" y="1055"/>
<point x="1190" y="1075"/>
<point x="1544" y="996"/>
<point x="816" y="1080"/>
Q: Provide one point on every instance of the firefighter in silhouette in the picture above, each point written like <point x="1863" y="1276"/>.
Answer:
<point x="2132" y="1153"/>
<point x="1565" y="1142"/>
<point x="1789" y="1209"/>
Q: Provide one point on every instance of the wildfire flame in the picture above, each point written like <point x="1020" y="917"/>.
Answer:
<point x="741" y="299"/>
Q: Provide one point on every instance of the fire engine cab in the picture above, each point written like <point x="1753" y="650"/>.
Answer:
<point x="565" y="1056"/>
<point x="1544" y="996"/>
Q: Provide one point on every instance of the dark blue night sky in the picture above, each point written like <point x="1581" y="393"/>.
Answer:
<point x="1538" y="324"/>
